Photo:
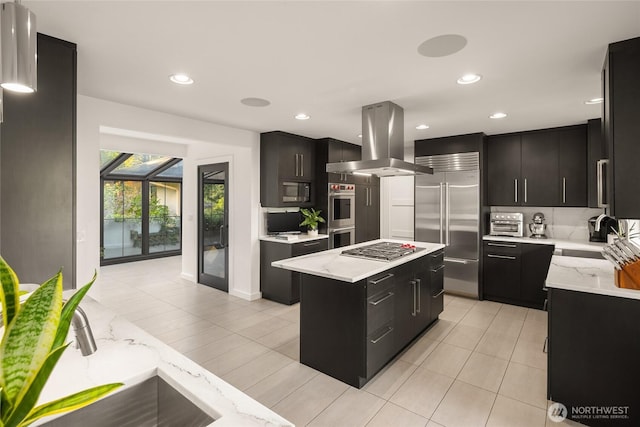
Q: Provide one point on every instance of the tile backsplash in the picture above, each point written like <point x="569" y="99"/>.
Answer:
<point x="562" y="223"/>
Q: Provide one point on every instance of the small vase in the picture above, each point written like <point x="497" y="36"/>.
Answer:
<point x="312" y="232"/>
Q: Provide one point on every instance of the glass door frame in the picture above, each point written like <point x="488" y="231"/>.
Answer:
<point x="221" y="283"/>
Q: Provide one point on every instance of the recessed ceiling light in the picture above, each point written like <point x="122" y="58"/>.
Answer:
<point x="423" y="126"/>
<point x="467" y="79"/>
<point x="302" y="116"/>
<point x="360" y="136"/>
<point x="444" y="45"/>
<point x="255" y="102"/>
<point x="181" y="79"/>
<point x="498" y="116"/>
<point x="594" y="101"/>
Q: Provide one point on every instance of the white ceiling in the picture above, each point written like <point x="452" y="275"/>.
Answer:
<point x="540" y="60"/>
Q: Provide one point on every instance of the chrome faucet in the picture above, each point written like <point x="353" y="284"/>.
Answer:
<point x="84" y="336"/>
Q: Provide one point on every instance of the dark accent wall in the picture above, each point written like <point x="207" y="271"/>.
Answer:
<point x="37" y="169"/>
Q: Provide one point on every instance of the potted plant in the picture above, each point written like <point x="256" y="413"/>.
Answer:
<point x="33" y="340"/>
<point x="311" y="219"/>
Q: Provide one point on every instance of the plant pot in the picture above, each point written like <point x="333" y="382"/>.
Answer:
<point x="312" y="233"/>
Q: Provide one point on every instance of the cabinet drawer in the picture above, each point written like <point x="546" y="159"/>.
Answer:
<point x="381" y="282"/>
<point x="380" y="348"/>
<point x="380" y="310"/>
<point x="501" y="248"/>
<point x="304" y="248"/>
<point x="436" y="258"/>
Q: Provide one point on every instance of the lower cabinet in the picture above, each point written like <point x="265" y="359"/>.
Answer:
<point x="515" y="272"/>
<point x="352" y="330"/>
<point x="281" y="285"/>
<point x="593" y="351"/>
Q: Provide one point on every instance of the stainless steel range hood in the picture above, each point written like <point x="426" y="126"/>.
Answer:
<point x="382" y="145"/>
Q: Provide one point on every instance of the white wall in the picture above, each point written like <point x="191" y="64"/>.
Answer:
<point x="104" y="124"/>
<point x="396" y="204"/>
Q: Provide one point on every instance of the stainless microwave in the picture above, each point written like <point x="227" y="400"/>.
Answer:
<point x="296" y="192"/>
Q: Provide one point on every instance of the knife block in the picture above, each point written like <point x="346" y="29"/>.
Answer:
<point x="629" y="276"/>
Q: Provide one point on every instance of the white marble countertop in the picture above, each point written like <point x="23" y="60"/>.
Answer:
<point x="130" y="355"/>
<point x="297" y="238"/>
<point x="559" y="243"/>
<point x="589" y="275"/>
<point x="332" y="265"/>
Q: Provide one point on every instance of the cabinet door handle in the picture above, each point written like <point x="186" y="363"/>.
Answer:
<point x="440" y="267"/>
<point x="525" y="190"/>
<point x="384" y="298"/>
<point x="438" y="294"/>
<point x="375" y="282"/>
<point x="301" y="164"/>
<point x="310" y="244"/>
<point x="502" y="245"/>
<point x="564" y="190"/>
<point x="515" y="190"/>
<point x="418" y="286"/>
<point x="413" y="285"/>
<point x="297" y="164"/>
<point x="387" y="332"/>
<point x="501" y="256"/>
<point x="601" y="182"/>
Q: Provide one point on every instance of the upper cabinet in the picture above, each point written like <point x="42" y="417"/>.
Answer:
<point x="287" y="159"/>
<point x="538" y="168"/>
<point x="621" y="126"/>
<point x="596" y="164"/>
<point x="333" y="151"/>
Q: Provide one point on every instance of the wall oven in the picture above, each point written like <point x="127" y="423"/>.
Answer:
<point x="341" y="218"/>
<point x="342" y="203"/>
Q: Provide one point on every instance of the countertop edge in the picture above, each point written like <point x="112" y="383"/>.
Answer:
<point x="559" y="243"/>
<point x="302" y="238"/>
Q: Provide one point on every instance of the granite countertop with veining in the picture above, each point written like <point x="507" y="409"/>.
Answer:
<point x="333" y="265"/>
<point x="589" y="275"/>
<point x="130" y="355"/>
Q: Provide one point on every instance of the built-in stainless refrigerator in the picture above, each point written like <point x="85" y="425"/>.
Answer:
<point x="447" y="211"/>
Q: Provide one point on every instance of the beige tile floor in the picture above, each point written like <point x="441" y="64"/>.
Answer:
<point x="481" y="364"/>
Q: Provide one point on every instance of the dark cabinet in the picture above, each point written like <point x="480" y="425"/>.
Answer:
<point x="38" y="213"/>
<point x="515" y="273"/>
<point x="596" y="165"/>
<point x="281" y="285"/>
<point x="594" y="334"/>
<point x="367" y="209"/>
<point x="503" y="170"/>
<point x="336" y="152"/>
<point x="285" y="157"/>
<point x="352" y="330"/>
<point x="621" y="126"/>
<point x="538" y="168"/>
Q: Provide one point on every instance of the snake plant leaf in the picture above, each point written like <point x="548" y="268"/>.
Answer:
<point x="67" y="312"/>
<point x="68" y="403"/>
<point x="24" y="406"/>
<point x="28" y="339"/>
<point x="10" y="295"/>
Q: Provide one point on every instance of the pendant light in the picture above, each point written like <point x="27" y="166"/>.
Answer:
<point x="18" y="36"/>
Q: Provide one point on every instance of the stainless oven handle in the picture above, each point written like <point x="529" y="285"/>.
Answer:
<point x="339" y="230"/>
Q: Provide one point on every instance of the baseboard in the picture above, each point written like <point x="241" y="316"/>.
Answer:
<point x="245" y="295"/>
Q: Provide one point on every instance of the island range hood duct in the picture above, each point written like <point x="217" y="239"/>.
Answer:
<point x="382" y="145"/>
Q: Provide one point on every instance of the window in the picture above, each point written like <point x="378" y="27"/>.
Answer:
<point x="141" y="206"/>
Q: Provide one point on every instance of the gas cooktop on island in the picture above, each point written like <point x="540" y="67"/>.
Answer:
<point x="382" y="251"/>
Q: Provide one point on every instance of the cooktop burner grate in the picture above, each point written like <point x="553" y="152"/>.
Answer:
<point x="382" y="251"/>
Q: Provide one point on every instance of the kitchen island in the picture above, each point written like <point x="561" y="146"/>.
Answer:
<point x="356" y="314"/>
<point x="130" y="355"/>
<point x="593" y="349"/>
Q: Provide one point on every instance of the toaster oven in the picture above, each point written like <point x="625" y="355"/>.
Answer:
<point x="506" y="224"/>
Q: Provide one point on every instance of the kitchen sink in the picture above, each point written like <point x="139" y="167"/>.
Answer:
<point x="150" y="403"/>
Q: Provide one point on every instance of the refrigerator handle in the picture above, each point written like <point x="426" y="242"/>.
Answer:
<point x="448" y="205"/>
<point x="441" y="212"/>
